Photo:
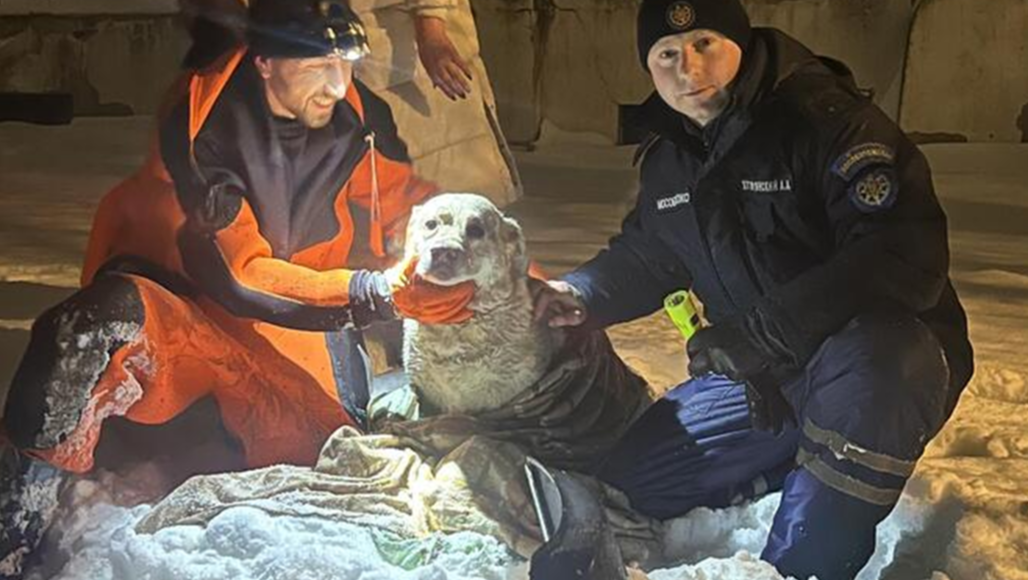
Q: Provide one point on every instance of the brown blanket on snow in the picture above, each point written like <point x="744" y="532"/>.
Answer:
<point x="451" y="473"/>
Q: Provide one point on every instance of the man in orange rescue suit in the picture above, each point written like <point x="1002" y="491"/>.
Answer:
<point x="227" y="267"/>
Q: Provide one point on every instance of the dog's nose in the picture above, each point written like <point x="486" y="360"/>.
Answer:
<point x="445" y="256"/>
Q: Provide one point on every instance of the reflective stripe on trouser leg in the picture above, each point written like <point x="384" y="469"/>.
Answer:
<point x="872" y="396"/>
<point x="873" y="477"/>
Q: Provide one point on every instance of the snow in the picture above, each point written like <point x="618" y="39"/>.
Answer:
<point x="964" y="514"/>
<point x="97" y="541"/>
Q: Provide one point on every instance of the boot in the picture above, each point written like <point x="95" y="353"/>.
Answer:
<point x="579" y="541"/>
<point x="29" y="493"/>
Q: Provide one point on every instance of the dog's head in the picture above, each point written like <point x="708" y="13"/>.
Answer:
<point x="462" y="236"/>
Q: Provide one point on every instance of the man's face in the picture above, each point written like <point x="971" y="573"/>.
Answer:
<point x="305" y="89"/>
<point x="692" y="71"/>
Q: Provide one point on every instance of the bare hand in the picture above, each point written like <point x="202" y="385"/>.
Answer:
<point x="557" y="302"/>
<point x="448" y="71"/>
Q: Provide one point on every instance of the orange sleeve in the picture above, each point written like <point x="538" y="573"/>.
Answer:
<point x="248" y="256"/>
<point x="234" y="265"/>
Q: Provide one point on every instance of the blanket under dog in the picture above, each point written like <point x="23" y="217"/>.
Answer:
<point x="451" y="473"/>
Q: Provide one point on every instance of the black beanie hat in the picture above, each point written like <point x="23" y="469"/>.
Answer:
<point x="306" y="28"/>
<point x="660" y="18"/>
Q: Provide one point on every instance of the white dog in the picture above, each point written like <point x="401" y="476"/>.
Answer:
<point x="485" y="362"/>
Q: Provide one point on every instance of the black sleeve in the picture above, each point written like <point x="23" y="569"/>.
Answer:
<point x="891" y="249"/>
<point x="631" y="277"/>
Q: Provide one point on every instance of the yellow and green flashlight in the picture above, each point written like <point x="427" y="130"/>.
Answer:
<point x="682" y="310"/>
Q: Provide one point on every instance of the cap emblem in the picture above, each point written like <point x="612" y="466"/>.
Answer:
<point x="681" y="15"/>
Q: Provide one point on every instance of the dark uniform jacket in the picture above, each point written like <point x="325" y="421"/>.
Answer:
<point x="802" y="204"/>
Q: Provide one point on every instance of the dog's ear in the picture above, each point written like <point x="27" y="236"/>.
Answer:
<point x="514" y="246"/>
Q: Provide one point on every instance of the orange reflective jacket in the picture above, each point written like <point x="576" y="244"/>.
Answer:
<point x="216" y="203"/>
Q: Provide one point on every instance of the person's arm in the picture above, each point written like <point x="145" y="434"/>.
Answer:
<point x="890" y="236"/>
<point x="631" y="277"/>
<point x="449" y="71"/>
<point x="227" y="256"/>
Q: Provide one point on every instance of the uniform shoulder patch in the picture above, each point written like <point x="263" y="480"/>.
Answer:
<point x="875" y="190"/>
<point x="856" y="159"/>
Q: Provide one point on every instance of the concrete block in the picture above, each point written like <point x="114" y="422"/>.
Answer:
<point x="112" y="65"/>
<point x="868" y="35"/>
<point x="508" y="35"/>
<point x="590" y="64"/>
<point x="967" y="71"/>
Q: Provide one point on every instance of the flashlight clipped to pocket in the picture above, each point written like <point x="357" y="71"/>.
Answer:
<point x="680" y="307"/>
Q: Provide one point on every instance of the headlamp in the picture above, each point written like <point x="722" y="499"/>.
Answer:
<point x="306" y="29"/>
<point x="349" y="42"/>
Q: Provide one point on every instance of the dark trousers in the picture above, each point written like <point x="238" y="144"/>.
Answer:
<point x="866" y="404"/>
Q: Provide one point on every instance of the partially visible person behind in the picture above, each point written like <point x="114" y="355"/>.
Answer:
<point x="806" y="223"/>
<point x="225" y="274"/>
<point x="425" y="62"/>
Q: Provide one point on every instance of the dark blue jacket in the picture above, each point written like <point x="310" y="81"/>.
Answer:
<point x="802" y="204"/>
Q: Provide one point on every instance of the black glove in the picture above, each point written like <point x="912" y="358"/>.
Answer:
<point x="738" y="349"/>
<point x="370" y="298"/>
<point x="769" y="410"/>
<point x="745" y="350"/>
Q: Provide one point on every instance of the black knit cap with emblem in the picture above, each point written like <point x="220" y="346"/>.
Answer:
<point x="306" y="28"/>
<point x="660" y="18"/>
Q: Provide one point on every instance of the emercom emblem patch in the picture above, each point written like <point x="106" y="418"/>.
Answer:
<point x="875" y="190"/>
<point x="867" y="170"/>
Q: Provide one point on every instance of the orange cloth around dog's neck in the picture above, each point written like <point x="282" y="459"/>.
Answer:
<point x="428" y="303"/>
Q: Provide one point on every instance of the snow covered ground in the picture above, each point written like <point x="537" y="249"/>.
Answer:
<point x="964" y="514"/>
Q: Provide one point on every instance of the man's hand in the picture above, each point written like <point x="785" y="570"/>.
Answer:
<point x="739" y="349"/>
<point x="557" y="302"/>
<point x="726" y="349"/>
<point x="399" y="291"/>
<point x="448" y="71"/>
<point x="742" y="351"/>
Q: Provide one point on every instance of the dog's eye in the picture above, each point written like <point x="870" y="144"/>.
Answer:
<point x="474" y="232"/>
<point x="431" y="225"/>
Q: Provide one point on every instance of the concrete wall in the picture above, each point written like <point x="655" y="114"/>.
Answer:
<point x="967" y="72"/>
<point x="508" y="32"/>
<point x="590" y="65"/>
<point x="572" y="62"/>
<point x="868" y="35"/>
<point x="115" y="57"/>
